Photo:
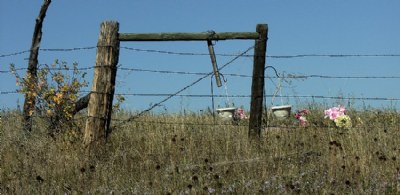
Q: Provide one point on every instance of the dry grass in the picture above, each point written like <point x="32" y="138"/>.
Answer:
<point x="190" y="155"/>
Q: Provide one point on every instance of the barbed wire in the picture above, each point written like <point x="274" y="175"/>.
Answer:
<point x="14" y="54"/>
<point x="231" y="123"/>
<point x="204" y="75"/>
<point x="178" y="123"/>
<point x="50" y="68"/>
<point x="267" y="95"/>
<point x="8" y="92"/>
<point x="267" y="127"/>
<point x="333" y="55"/>
<point x="184" y="88"/>
<point x="230" y="96"/>
<point x="336" y="97"/>
<point x="268" y="56"/>
<point x="70" y="49"/>
<point x="201" y="54"/>
<point x="49" y="50"/>
<point x="286" y="76"/>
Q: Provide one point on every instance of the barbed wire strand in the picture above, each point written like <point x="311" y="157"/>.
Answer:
<point x="269" y="56"/>
<point x="201" y="54"/>
<point x="8" y="92"/>
<point x="230" y="96"/>
<point x="166" y="121"/>
<point x="50" y="50"/>
<point x="287" y="76"/>
<point x="249" y="96"/>
<point x="50" y="68"/>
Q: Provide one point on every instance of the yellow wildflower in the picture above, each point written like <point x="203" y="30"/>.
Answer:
<point x="58" y="98"/>
<point x="343" y="121"/>
<point x="72" y="97"/>
<point x="64" y="88"/>
<point x="75" y="84"/>
<point x="49" y="112"/>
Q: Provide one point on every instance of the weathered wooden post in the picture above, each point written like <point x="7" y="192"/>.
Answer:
<point x="103" y="87"/>
<point x="257" y="86"/>
<point x="214" y="63"/>
<point x="30" y="98"/>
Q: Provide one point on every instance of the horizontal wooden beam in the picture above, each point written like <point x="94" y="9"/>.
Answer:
<point x="187" y="36"/>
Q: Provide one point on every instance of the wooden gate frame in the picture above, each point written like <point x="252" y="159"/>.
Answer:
<point x="103" y="87"/>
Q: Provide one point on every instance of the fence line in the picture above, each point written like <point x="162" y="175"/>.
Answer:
<point x="249" y="96"/>
<point x="51" y="50"/>
<point x="202" y="54"/>
<point x="8" y="92"/>
<point x="50" y="68"/>
<point x="186" y="87"/>
<point x="287" y="76"/>
<point x="268" y="56"/>
<point x="233" y="96"/>
<point x="166" y="121"/>
<point x="206" y="74"/>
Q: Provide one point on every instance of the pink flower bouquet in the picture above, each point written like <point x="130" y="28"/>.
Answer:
<point x="301" y="116"/>
<point x="338" y="115"/>
<point x="240" y="114"/>
<point x="335" y="112"/>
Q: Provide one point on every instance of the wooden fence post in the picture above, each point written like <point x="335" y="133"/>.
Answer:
<point x="30" y="98"/>
<point x="257" y="86"/>
<point x="103" y="87"/>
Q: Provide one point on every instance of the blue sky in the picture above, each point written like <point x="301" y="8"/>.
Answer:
<point x="334" y="27"/>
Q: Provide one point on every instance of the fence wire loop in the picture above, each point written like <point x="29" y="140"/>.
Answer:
<point x="273" y="68"/>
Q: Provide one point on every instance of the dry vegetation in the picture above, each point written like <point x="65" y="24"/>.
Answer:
<point x="190" y="155"/>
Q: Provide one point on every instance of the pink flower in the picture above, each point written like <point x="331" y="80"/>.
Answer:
<point x="303" y="121"/>
<point x="335" y="112"/>
<point x="240" y="114"/>
<point x="301" y="116"/>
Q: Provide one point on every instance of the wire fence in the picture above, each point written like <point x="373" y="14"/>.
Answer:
<point x="234" y="96"/>
<point x="287" y="76"/>
<point x="121" y="119"/>
<point x="202" y="54"/>
<point x="203" y="75"/>
<point x="144" y="120"/>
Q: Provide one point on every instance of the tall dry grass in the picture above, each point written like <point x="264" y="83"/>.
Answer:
<point x="175" y="154"/>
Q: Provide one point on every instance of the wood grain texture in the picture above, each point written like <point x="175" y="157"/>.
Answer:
<point x="257" y="86"/>
<point x="101" y="97"/>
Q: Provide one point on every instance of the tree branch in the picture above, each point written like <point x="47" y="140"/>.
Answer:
<point x="81" y="104"/>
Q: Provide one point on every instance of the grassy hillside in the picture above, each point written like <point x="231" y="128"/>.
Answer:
<point x="174" y="154"/>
